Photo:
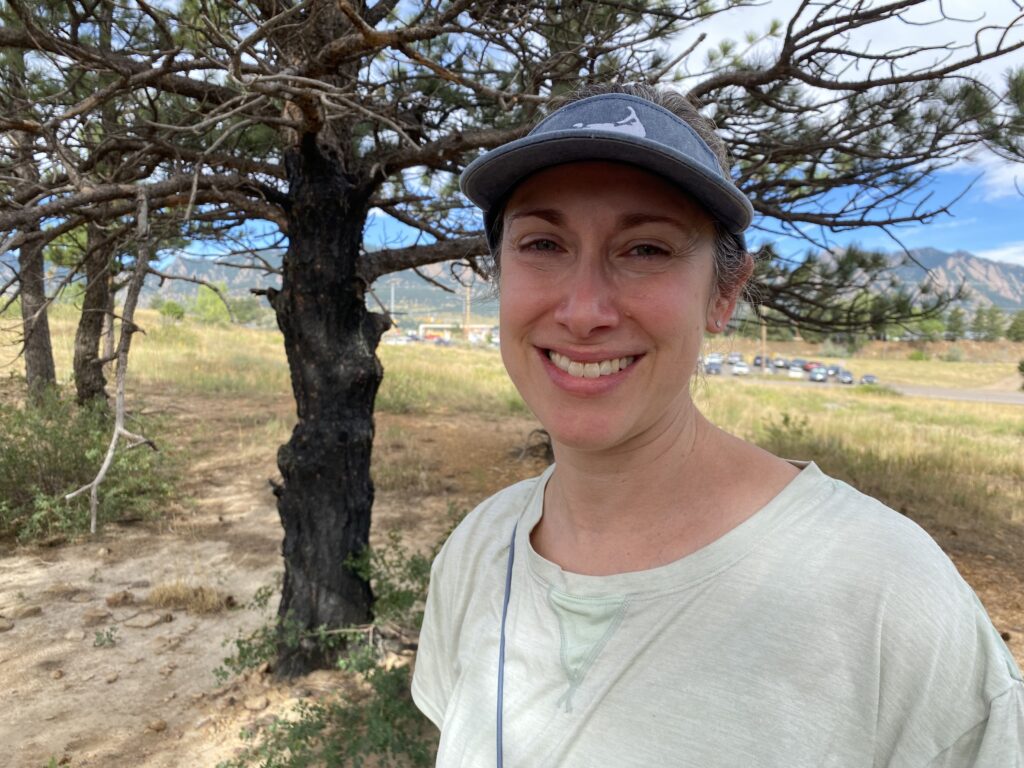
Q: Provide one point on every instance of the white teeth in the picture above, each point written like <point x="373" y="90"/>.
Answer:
<point x="589" y="370"/>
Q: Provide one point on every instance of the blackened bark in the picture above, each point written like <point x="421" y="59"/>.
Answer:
<point x="39" y="369"/>
<point x="88" y="371"/>
<point x="326" y="494"/>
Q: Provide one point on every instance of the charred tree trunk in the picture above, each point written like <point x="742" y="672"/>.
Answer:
<point x="39" y="370"/>
<point x="326" y="494"/>
<point x="88" y="370"/>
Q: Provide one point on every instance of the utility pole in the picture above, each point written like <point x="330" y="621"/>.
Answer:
<point x="468" y="304"/>
<point x="764" y="346"/>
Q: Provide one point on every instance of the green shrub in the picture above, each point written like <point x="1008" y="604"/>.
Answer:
<point x="172" y="310"/>
<point x="56" y="447"/>
<point x="919" y="355"/>
<point x="379" y="727"/>
<point x="377" y="724"/>
<point x="953" y="355"/>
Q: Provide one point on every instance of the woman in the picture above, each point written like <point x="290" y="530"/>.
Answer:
<point x="667" y="594"/>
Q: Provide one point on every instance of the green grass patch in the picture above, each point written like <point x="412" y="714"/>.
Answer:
<point x="55" y="447"/>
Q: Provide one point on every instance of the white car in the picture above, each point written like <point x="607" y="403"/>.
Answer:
<point x="796" y="372"/>
<point x="740" y="369"/>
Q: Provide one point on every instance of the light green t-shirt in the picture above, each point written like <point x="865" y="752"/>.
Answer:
<point x="826" y="630"/>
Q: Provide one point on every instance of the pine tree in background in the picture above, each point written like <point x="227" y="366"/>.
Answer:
<point x="1015" y="331"/>
<point x="955" y="324"/>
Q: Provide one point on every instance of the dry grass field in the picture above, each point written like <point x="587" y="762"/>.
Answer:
<point x="135" y="687"/>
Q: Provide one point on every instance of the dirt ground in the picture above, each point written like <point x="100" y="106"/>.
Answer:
<point x="94" y="675"/>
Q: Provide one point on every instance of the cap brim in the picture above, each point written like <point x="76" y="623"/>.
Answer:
<point x="489" y="178"/>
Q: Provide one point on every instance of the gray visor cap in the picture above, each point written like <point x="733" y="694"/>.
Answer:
<point x="618" y="128"/>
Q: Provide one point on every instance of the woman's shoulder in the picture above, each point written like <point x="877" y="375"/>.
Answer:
<point x="483" y="535"/>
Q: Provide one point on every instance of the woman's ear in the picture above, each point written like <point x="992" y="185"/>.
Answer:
<point x="724" y="303"/>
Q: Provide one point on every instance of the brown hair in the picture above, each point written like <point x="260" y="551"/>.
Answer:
<point x="732" y="262"/>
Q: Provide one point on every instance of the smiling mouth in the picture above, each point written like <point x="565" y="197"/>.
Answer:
<point x="589" y="370"/>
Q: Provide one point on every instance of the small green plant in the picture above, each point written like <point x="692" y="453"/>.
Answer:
<point x="53" y="447"/>
<point x="105" y="638"/>
<point x="399" y="579"/>
<point x="172" y="310"/>
<point x="919" y="355"/>
<point x="953" y="355"/>
<point x="379" y="725"/>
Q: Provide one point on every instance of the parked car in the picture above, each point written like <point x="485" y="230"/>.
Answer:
<point x="734" y="357"/>
<point x="740" y="368"/>
<point x="833" y="370"/>
<point x="819" y="374"/>
<point x="796" y="372"/>
<point x="713" y="369"/>
<point x="714" y="357"/>
<point x="799" y="362"/>
<point x="780" y="362"/>
<point x="844" y="376"/>
<point x="868" y="378"/>
<point x="810" y="365"/>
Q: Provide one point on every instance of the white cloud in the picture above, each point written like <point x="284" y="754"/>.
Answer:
<point x="1010" y="253"/>
<point x="1001" y="179"/>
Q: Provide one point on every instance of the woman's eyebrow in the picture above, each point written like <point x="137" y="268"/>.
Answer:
<point x="627" y="220"/>
<point x="550" y="215"/>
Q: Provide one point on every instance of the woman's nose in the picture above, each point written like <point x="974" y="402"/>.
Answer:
<point x="588" y="302"/>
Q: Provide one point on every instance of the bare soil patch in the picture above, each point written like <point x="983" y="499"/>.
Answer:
<point x="97" y="673"/>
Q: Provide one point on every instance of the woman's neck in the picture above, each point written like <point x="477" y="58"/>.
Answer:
<point x="641" y="505"/>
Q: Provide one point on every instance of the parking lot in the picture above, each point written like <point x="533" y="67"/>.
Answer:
<point x="734" y="364"/>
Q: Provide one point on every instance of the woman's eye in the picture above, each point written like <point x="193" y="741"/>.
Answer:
<point x="646" y="250"/>
<point x="540" y="245"/>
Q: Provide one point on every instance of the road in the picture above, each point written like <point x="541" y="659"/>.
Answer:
<point x="973" y="395"/>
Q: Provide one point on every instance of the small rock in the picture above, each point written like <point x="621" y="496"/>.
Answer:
<point x="140" y="584"/>
<point x="144" y="620"/>
<point x="103" y="551"/>
<point x="95" y="616"/>
<point x="256" y="703"/>
<point x="27" y="611"/>
<point x="6" y="625"/>
<point x="111" y="678"/>
<point x="198" y="696"/>
<point x="172" y="697"/>
<point x="156" y="726"/>
<point x="75" y="634"/>
<point x="57" y="674"/>
<point x="203" y="722"/>
<point x="167" y="669"/>
<point x="81" y="597"/>
<point x="121" y="598"/>
<point x="136" y="660"/>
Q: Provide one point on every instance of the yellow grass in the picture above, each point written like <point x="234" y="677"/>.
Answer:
<point x="955" y="462"/>
<point x="179" y="596"/>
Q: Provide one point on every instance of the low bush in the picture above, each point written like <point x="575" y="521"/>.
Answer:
<point x="375" y="721"/>
<point x="54" y="447"/>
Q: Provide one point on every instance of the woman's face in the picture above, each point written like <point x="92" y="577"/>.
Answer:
<point x="606" y="290"/>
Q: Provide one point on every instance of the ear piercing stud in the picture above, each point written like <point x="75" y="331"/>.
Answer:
<point x="718" y="323"/>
